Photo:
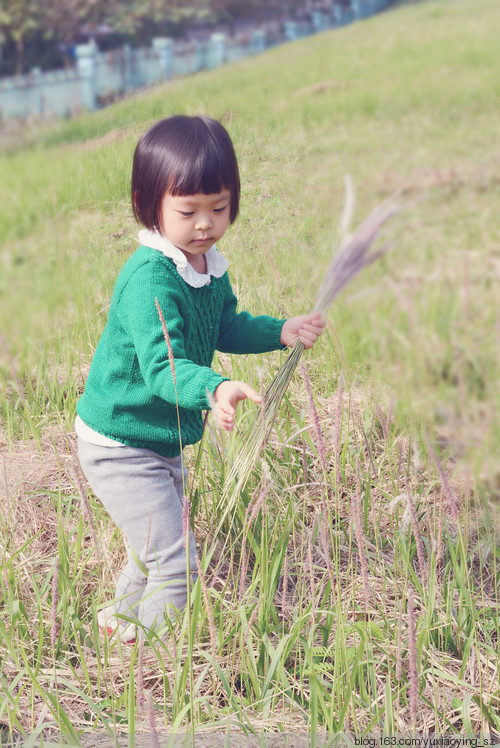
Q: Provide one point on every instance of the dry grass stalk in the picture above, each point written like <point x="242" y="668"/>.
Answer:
<point x="210" y="613"/>
<point x="360" y="537"/>
<point x="87" y="514"/>
<point x="412" y="657"/>
<point x="140" y="676"/>
<point x="242" y="584"/>
<point x="172" y="364"/>
<point x="55" y="599"/>
<point x="284" y="595"/>
<point x="352" y="257"/>
<point x="399" y="659"/>
<point x="252" y="620"/>
<point x="5" y="346"/>
<point x="336" y="437"/>
<point x="155" y="743"/>
<point x="186" y="517"/>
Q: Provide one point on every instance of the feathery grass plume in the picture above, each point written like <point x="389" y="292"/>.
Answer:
<point x="320" y="438"/>
<point x="352" y="257"/>
<point x="448" y="490"/>
<point x="418" y="538"/>
<point x="323" y="538"/>
<point x="439" y="539"/>
<point x="260" y="501"/>
<point x="167" y="341"/>
<point x="310" y="569"/>
<point x="155" y="743"/>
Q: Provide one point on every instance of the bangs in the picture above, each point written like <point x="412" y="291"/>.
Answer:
<point x="201" y="171"/>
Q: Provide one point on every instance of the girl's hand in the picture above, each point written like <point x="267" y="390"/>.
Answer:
<point x="307" y="328"/>
<point x="227" y="396"/>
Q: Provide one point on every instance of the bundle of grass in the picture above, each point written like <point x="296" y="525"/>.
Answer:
<point x="353" y="255"/>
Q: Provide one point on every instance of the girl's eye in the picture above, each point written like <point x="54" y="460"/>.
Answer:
<point x="220" y="210"/>
<point x="186" y="214"/>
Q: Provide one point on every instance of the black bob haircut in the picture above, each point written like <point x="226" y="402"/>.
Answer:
<point x="183" y="156"/>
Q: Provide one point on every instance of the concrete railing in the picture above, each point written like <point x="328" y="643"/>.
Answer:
<point x="100" y="77"/>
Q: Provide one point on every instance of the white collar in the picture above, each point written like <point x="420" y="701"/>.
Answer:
<point x="216" y="263"/>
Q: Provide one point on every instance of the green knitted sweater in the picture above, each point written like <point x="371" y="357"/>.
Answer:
<point x="132" y="394"/>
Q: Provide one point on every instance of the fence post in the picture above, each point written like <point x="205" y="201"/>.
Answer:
<point x="216" y="51"/>
<point x="163" y="46"/>
<point x="318" y="20"/>
<point x="85" y="64"/>
<point x="200" y="55"/>
<point x="258" y="41"/>
<point x="126" y="60"/>
<point x="37" y="97"/>
<point x="369" y="8"/>
<point x="357" y="9"/>
<point x="291" y="29"/>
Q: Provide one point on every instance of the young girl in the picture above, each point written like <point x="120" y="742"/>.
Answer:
<point x="185" y="192"/>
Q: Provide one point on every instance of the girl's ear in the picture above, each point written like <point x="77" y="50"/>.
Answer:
<point x="134" y="199"/>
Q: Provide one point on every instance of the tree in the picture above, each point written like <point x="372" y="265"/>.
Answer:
<point x="63" y="20"/>
<point x="19" y="19"/>
<point x="143" y="19"/>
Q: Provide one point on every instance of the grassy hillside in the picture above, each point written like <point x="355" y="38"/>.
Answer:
<point x="319" y="633"/>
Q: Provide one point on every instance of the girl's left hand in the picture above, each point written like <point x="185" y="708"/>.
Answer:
<point x="307" y="328"/>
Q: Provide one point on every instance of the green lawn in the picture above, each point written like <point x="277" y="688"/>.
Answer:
<point x="363" y="594"/>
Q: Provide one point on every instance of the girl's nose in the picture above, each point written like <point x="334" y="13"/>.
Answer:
<point x="203" y="222"/>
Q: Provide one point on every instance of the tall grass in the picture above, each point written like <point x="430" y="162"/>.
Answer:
<point x="355" y="588"/>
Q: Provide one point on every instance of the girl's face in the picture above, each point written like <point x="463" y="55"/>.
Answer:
<point x="194" y="222"/>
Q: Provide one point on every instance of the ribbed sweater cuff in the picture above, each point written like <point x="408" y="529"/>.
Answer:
<point x="270" y="338"/>
<point x="212" y="384"/>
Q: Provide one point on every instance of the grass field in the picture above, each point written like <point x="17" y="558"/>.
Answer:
<point x="356" y="587"/>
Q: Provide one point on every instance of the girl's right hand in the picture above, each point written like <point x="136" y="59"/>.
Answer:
<point x="227" y="396"/>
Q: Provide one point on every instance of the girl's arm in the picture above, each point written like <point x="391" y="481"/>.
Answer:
<point x="241" y="332"/>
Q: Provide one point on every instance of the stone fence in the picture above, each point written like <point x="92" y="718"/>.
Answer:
<point x="100" y="77"/>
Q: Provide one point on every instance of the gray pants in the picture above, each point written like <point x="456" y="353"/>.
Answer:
<point x="143" y="493"/>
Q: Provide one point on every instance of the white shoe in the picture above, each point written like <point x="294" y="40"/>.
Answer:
<point x="109" y="623"/>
